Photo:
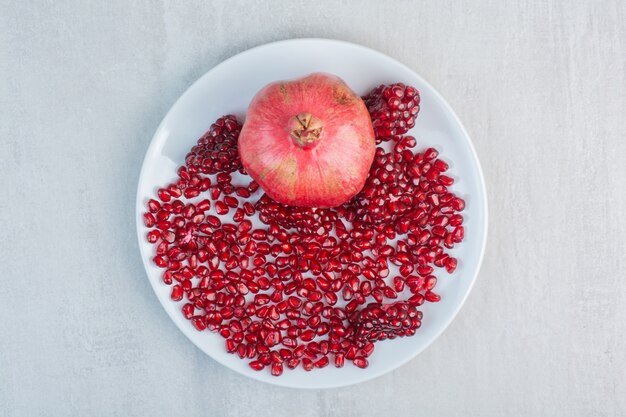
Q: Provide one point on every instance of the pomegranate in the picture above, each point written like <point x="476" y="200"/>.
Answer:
<point x="308" y="142"/>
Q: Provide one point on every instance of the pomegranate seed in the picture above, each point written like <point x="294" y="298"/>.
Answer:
<point x="351" y="352"/>
<point x="430" y="282"/>
<point x="416" y="300"/>
<point x="204" y="205"/>
<point x="277" y="369"/>
<point x="231" y="201"/>
<point x="163" y="225"/>
<point x="164" y="195"/>
<point x="177" y="293"/>
<point x="361" y="362"/>
<point x="198" y="323"/>
<point x="339" y="360"/>
<point x="307" y="335"/>
<point x="174" y="191"/>
<point x="322" y="363"/>
<point x="149" y="220"/>
<point x="153" y="236"/>
<point x="389" y="293"/>
<point x="432" y="297"/>
<point x="307" y="364"/>
<point x="456" y="220"/>
<point x="293" y="363"/>
<point x="451" y="265"/>
<point x="188" y="310"/>
<point x="231" y="345"/>
<point x="191" y="192"/>
<point x="221" y="208"/>
<point x="458" y="234"/>
<point x="458" y="204"/>
<point x="153" y="205"/>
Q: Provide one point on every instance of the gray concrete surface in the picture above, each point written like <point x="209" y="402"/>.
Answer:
<point x="541" y="87"/>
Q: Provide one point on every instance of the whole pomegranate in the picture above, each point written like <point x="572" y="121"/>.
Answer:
<point x="308" y="142"/>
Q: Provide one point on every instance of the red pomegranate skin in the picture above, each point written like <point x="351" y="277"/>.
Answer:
<point x="308" y="142"/>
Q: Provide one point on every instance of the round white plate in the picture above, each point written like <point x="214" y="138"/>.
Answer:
<point x="228" y="88"/>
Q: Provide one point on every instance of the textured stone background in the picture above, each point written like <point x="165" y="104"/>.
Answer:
<point x="540" y="86"/>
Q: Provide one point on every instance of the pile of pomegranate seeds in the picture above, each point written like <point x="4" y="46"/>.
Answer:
<point x="393" y="109"/>
<point x="216" y="151"/>
<point x="380" y="322"/>
<point x="301" y="287"/>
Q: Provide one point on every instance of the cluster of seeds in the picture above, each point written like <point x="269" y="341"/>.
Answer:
<point x="301" y="287"/>
<point x="216" y="151"/>
<point x="393" y="109"/>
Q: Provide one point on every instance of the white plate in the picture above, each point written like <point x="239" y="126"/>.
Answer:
<point x="228" y="88"/>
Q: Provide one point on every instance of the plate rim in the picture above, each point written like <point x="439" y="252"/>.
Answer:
<point x="479" y="172"/>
